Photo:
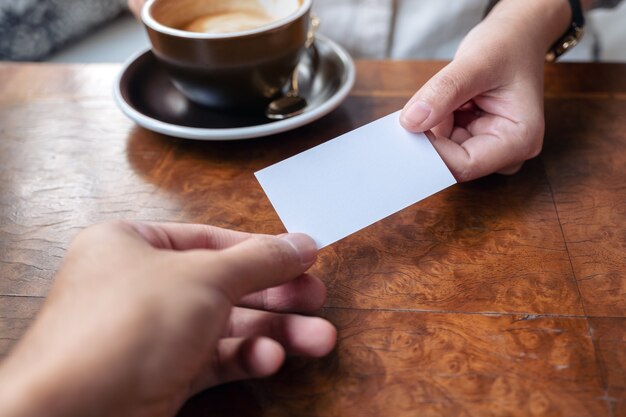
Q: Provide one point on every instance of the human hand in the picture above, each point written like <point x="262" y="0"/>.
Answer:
<point x="142" y="316"/>
<point x="485" y="109"/>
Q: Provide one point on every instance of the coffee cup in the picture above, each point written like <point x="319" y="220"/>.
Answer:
<point x="228" y="54"/>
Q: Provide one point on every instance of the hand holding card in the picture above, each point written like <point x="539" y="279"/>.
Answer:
<point x="355" y="180"/>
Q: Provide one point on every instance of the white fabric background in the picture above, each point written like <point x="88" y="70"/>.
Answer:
<point x="117" y="41"/>
<point x="410" y="29"/>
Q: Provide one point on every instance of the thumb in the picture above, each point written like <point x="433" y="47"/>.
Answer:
<point x="444" y="93"/>
<point x="262" y="262"/>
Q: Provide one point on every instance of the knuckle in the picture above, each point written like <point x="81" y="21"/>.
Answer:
<point x="532" y="135"/>
<point x="466" y="172"/>
<point x="99" y="230"/>
<point x="276" y="251"/>
<point x="464" y="175"/>
<point x="92" y="244"/>
<point x="445" y="85"/>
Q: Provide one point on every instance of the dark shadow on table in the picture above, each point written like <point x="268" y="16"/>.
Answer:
<point x="297" y="389"/>
<point x="578" y="133"/>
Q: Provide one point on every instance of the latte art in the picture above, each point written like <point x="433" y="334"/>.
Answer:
<point x="229" y="21"/>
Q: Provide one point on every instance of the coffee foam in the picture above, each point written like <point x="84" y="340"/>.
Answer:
<point x="229" y="21"/>
<point x="210" y="17"/>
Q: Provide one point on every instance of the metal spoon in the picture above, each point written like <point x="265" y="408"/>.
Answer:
<point x="289" y="105"/>
<point x="292" y="103"/>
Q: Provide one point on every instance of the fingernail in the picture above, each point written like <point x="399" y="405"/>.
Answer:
<point x="303" y="244"/>
<point x="416" y="113"/>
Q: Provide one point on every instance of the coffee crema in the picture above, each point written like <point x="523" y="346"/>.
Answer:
<point x="229" y="21"/>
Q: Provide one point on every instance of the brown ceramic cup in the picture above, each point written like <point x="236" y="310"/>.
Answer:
<point x="241" y="69"/>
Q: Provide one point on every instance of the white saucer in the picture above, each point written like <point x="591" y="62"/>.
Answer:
<point x="145" y="94"/>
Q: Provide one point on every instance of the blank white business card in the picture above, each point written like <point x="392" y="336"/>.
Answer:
<point x="354" y="180"/>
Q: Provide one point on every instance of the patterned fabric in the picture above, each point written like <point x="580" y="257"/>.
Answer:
<point x="31" y="29"/>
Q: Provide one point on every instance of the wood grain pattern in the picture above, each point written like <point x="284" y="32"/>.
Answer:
<point x="454" y="252"/>
<point x="408" y="364"/>
<point x="16" y="314"/>
<point x="586" y="170"/>
<point x="503" y="297"/>
<point x="610" y="340"/>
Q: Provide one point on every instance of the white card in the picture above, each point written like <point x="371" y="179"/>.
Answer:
<point x="354" y="180"/>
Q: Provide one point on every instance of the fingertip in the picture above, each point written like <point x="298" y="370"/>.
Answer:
<point x="264" y="357"/>
<point x="305" y="294"/>
<point x="264" y="261"/>
<point x="414" y="115"/>
<point x="325" y="336"/>
<point x="304" y="245"/>
<point x="323" y="292"/>
<point x="405" y="123"/>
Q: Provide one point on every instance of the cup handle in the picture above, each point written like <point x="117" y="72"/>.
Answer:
<point x="311" y="54"/>
<point x="314" y="25"/>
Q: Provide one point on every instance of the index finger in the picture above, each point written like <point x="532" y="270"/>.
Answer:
<point x="183" y="236"/>
<point x="476" y="157"/>
<point x="483" y="153"/>
<point x="258" y="263"/>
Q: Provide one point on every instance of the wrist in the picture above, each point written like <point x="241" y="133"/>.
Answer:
<point x="38" y="388"/>
<point x="48" y="375"/>
<point x="536" y="22"/>
<point x="42" y="377"/>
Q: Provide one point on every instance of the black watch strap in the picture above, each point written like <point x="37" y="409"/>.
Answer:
<point x="578" y="17"/>
<point x="572" y="36"/>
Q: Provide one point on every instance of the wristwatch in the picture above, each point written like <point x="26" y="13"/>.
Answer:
<point x="570" y="38"/>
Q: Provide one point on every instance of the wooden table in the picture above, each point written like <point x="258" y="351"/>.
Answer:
<point x="505" y="296"/>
